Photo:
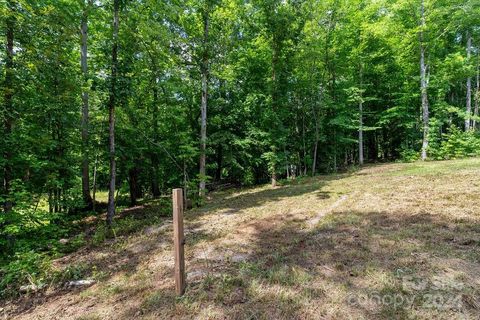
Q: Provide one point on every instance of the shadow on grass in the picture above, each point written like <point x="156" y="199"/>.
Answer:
<point x="99" y="257"/>
<point x="294" y="273"/>
<point x="291" y="272"/>
<point x="233" y="204"/>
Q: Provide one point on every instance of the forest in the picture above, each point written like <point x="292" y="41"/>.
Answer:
<point x="106" y="104"/>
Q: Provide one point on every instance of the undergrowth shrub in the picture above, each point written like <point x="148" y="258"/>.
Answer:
<point x="32" y="237"/>
<point x="455" y="144"/>
<point x="26" y="268"/>
<point x="73" y="272"/>
<point x="409" y="155"/>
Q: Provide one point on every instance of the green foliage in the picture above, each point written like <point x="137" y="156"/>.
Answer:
<point x="99" y="236"/>
<point x="74" y="243"/>
<point x="457" y="144"/>
<point x="409" y="155"/>
<point x="273" y="160"/>
<point x="25" y="268"/>
<point x="74" y="272"/>
<point x="248" y="178"/>
<point x="286" y="80"/>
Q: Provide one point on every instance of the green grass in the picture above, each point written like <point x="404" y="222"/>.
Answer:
<point x="437" y="167"/>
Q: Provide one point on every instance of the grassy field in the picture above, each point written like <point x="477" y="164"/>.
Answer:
<point x="392" y="241"/>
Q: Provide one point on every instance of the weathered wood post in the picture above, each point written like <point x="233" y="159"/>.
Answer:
<point x="178" y="241"/>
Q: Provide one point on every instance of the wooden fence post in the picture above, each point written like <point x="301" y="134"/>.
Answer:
<point x="178" y="241"/>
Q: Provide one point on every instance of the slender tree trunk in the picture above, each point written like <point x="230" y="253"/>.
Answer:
<point x="317" y="136"/>
<point x="50" y="201"/>
<point x="185" y="184"/>
<point x="274" y="97"/>
<point x="57" y="199"/>
<point x="85" y="99"/>
<point x="329" y="75"/>
<point x="286" y="164"/>
<point x="133" y="183"/>
<point x="360" y="119"/>
<point x="138" y="187"/>
<point x="469" y="86"/>
<point x="335" y="150"/>
<point x="218" y="173"/>
<point x="203" y="125"/>
<point x="94" y="191"/>
<point x="360" y="133"/>
<point x="304" y="144"/>
<point x="8" y="101"/>
<point x="373" y="147"/>
<point x="62" y="171"/>
<point x="274" y="177"/>
<point x="153" y="155"/>
<point x="154" y="183"/>
<point x="423" y="83"/>
<point x="315" y="100"/>
<point x="111" y="117"/>
<point x="315" y="151"/>
<point x="477" y="94"/>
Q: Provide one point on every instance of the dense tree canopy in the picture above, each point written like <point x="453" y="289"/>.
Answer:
<point x="258" y="89"/>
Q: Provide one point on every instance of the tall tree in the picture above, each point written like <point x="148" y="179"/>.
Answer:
<point x="469" y="86"/>
<point x="204" y="70"/>
<point x="87" y="6"/>
<point x="276" y="82"/>
<point x="360" y="120"/>
<point x="424" y="79"/>
<point x="8" y="112"/>
<point x="111" y="113"/>
<point x="477" y="94"/>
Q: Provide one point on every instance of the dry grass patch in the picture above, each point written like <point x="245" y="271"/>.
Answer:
<point x="394" y="241"/>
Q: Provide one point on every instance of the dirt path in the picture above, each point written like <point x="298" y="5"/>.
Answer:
<point x="313" y="222"/>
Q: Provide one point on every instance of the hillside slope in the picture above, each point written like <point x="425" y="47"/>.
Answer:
<point x="388" y="241"/>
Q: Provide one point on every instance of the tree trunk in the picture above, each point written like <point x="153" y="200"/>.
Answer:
<point x="274" y="97"/>
<point x="8" y="101"/>
<point x="154" y="182"/>
<point x="304" y="145"/>
<point x="423" y="83"/>
<point x="373" y="147"/>
<point x="203" y="125"/>
<point x="469" y="86"/>
<point x="360" y="134"/>
<point x="317" y="135"/>
<point x="85" y="99"/>
<point x="57" y="199"/>
<point x="477" y="95"/>
<point x="315" y="151"/>
<point x="111" y="118"/>
<point x="153" y="155"/>
<point x="50" y="201"/>
<point x="360" y="118"/>
<point x="334" y="150"/>
<point x="218" y="172"/>
<point x="133" y="183"/>
<point x="94" y="191"/>
<point x="286" y="164"/>
<point x="274" y="178"/>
